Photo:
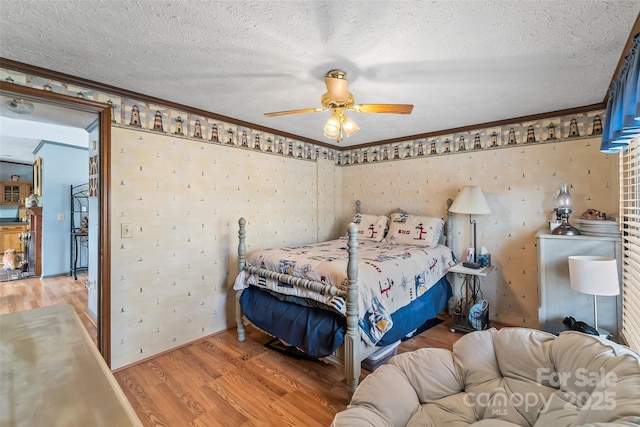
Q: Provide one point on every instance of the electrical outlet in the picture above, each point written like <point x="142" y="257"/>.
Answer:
<point x="126" y="231"/>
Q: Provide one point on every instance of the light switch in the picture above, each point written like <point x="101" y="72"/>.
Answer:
<point x="60" y="217"/>
<point x="126" y="231"/>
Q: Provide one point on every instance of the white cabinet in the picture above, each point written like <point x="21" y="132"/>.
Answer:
<point x="556" y="298"/>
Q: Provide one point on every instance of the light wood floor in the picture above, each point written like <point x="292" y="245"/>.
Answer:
<point x="218" y="381"/>
<point x="25" y="294"/>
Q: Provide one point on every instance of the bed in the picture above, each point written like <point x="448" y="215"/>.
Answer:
<point x="343" y="299"/>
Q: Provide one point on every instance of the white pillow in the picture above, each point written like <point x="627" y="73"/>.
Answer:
<point x="371" y="227"/>
<point x="415" y="230"/>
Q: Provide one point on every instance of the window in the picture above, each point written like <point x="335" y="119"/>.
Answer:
<point x="630" y="221"/>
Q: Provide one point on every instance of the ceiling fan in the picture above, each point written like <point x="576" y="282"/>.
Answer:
<point x="337" y="100"/>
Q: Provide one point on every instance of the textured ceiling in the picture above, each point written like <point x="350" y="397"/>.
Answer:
<point x="20" y="134"/>
<point x="459" y="62"/>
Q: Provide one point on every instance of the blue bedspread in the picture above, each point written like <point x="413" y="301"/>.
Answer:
<point x="319" y="332"/>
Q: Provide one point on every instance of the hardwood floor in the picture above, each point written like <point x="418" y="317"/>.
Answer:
<point x="218" y="381"/>
<point x="25" y="294"/>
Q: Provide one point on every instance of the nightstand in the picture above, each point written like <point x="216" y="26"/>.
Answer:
<point x="471" y="294"/>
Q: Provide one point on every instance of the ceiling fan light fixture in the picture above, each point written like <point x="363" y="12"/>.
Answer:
<point x="349" y="126"/>
<point x="333" y="126"/>
<point x="339" y="126"/>
<point x="20" y="106"/>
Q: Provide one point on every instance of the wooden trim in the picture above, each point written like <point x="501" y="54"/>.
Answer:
<point x="78" y="81"/>
<point x="104" y="264"/>
<point x="104" y="251"/>
<point x="496" y="123"/>
<point x="16" y="163"/>
<point x="35" y="225"/>
<point x="627" y="49"/>
<point x="37" y="177"/>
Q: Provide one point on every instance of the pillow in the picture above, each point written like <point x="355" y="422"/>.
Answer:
<point x="371" y="227"/>
<point x="415" y="230"/>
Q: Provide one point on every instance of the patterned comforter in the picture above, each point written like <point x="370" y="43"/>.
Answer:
<point x="389" y="276"/>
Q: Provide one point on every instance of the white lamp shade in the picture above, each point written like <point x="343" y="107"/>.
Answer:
<point x="470" y="201"/>
<point x="594" y="275"/>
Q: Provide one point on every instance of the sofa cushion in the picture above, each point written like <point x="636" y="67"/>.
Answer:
<point x="452" y="410"/>
<point x="515" y="376"/>
<point x="431" y="372"/>
<point x="401" y="400"/>
<point x="598" y="381"/>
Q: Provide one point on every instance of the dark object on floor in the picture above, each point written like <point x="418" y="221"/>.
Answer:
<point x="426" y="325"/>
<point x="577" y="325"/>
<point x="288" y="350"/>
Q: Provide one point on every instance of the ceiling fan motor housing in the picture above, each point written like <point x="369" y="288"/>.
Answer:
<point x="329" y="101"/>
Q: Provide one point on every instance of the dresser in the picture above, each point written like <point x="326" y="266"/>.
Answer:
<point x="556" y="299"/>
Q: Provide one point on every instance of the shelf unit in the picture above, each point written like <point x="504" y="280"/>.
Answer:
<point x="79" y="209"/>
<point x="471" y="294"/>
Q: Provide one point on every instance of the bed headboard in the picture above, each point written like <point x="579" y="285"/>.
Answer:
<point x="446" y="238"/>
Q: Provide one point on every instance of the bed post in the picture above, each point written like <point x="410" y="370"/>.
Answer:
<point x="351" y="359"/>
<point x="242" y="251"/>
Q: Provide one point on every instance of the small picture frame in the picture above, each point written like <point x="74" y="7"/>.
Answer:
<point x="37" y="177"/>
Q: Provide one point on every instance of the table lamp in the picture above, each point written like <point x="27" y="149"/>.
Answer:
<point x="564" y="203"/>
<point x="594" y="275"/>
<point x="471" y="201"/>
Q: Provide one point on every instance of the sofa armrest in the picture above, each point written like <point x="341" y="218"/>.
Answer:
<point x="384" y="398"/>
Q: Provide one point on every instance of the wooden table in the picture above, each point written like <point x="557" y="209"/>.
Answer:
<point x="51" y="373"/>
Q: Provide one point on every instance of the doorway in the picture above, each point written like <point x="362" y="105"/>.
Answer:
<point x="101" y="180"/>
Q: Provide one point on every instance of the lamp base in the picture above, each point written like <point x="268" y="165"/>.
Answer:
<point x="565" y="229"/>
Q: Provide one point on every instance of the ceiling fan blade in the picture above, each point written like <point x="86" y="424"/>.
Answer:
<point x="337" y="88"/>
<point x="383" y="108"/>
<point x="304" y="110"/>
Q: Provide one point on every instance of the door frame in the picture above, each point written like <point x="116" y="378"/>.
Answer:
<point x="104" y="189"/>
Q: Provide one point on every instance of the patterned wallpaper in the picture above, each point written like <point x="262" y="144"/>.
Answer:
<point x="182" y="200"/>
<point x="520" y="184"/>
<point x="171" y="280"/>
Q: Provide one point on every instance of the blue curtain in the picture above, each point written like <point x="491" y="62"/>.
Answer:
<point x="622" y="119"/>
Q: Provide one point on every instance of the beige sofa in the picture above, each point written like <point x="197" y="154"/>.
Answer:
<point x="506" y="377"/>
